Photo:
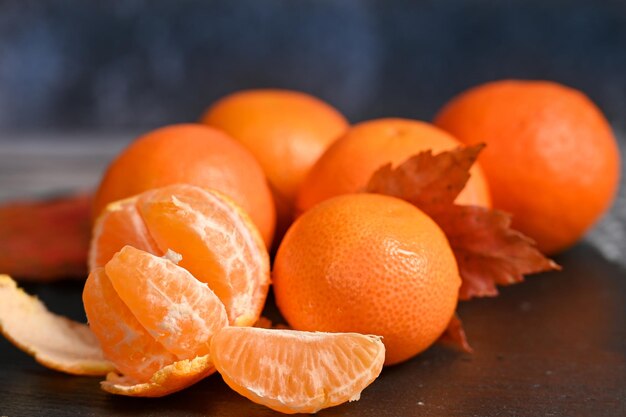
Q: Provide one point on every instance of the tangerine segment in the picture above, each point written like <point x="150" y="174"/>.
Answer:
<point x="172" y="378"/>
<point x="179" y="311"/>
<point x="124" y="341"/>
<point x="297" y="372"/>
<point x="54" y="341"/>
<point x="218" y="242"/>
<point x="119" y="225"/>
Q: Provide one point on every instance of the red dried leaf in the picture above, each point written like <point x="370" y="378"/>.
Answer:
<point x="487" y="250"/>
<point x="425" y="180"/>
<point x="47" y="239"/>
<point x="454" y="336"/>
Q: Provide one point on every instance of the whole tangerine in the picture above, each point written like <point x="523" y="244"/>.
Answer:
<point x="551" y="158"/>
<point x="371" y="264"/>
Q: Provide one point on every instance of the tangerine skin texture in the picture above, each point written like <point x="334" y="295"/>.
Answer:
<point x="193" y="154"/>
<point x="348" y="164"/>
<point x="551" y="158"/>
<point x="369" y="264"/>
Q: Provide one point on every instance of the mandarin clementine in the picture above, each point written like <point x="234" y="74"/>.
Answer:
<point x="218" y="243"/>
<point x="370" y="264"/>
<point x="551" y="158"/>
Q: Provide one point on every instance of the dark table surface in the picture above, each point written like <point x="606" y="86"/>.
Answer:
<point x="554" y="345"/>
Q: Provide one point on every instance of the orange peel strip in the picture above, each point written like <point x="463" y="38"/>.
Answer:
<point x="54" y="341"/>
<point x="169" y="379"/>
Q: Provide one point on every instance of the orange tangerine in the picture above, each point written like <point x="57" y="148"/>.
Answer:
<point x="371" y="264"/>
<point x="551" y="158"/>
<point x="149" y="314"/>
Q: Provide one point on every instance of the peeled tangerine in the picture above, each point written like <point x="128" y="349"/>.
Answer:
<point x="170" y="267"/>
<point x="216" y="239"/>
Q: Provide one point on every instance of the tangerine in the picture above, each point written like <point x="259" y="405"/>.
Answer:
<point x="218" y="243"/>
<point x="371" y="264"/>
<point x="551" y="158"/>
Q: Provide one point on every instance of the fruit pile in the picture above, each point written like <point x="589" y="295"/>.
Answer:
<point x="377" y="230"/>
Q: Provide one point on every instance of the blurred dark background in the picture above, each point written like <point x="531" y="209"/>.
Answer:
<point x="134" y="65"/>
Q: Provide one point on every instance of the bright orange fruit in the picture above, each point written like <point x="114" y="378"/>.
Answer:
<point x="285" y="130"/>
<point x="218" y="243"/>
<point x="297" y="372"/>
<point x="551" y="159"/>
<point x="371" y="264"/>
<point x="349" y="163"/>
<point x="149" y="314"/>
<point x="193" y="154"/>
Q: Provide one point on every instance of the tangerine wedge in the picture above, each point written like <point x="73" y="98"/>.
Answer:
<point x="218" y="242"/>
<point x="297" y="372"/>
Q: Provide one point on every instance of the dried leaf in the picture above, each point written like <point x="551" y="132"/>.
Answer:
<point x="47" y="239"/>
<point x="487" y="250"/>
<point x="54" y="341"/>
<point x="425" y="180"/>
<point x="455" y="336"/>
